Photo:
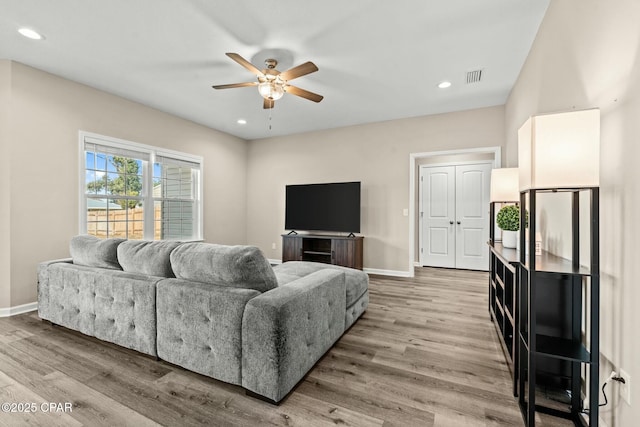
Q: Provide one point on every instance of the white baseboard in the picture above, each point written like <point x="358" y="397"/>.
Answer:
<point x="395" y="273"/>
<point x="19" y="309"/>
<point x="274" y="261"/>
<point x="417" y="264"/>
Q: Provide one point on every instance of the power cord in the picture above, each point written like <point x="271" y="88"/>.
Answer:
<point x="613" y="377"/>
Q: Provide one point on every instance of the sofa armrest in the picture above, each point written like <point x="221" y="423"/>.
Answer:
<point x="45" y="264"/>
<point x="43" y="286"/>
<point x="287" y="330"/>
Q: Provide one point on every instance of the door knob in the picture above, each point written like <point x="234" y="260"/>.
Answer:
<point x="451" y="222"/>
<point x="458" y="222"/>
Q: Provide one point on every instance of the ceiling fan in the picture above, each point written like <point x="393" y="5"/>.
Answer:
<point x="272" y="84"/>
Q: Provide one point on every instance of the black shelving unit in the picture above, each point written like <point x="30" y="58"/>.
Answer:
<point x="503" y="289"/>
<point x="557" y="341"/>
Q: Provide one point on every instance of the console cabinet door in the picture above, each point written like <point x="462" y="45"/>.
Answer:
<point x="341" y="253"/>
<point x="291" y="248"/>
<point x="345" y="252"/>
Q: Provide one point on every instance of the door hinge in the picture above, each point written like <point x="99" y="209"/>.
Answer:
<point x="422" y="178"/>
<point x="421" y="250"/>
<point x="421" y="214"/>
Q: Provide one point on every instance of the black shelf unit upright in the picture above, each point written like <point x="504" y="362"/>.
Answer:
<point x="503" y="291"/>
<point x="552" y="294"/>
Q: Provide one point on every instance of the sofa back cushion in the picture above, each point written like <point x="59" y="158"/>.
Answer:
<point x="147" y="257"/>
<point x="235" y="266"/>
<point x="94" y="252"/>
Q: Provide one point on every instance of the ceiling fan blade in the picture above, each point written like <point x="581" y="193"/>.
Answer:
<point x="268" y="103"/>
<point x="303" y="93"/>
<point x="232" y="85"/>
<point x="246" y="64"/>
<point x="299" y="71"/>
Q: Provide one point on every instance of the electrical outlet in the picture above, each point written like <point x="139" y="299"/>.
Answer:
<point x="625" y="389"/>
<point x="273" y="246"/>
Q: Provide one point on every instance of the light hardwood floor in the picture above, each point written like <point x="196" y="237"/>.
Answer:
<point x="424" y="354"/>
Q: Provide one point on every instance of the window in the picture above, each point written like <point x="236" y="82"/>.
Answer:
<point x="134" y="191"/>
<point x="174" y="197"/>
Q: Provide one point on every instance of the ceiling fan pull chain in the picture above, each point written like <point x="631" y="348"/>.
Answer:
<point x="270" y="110"/>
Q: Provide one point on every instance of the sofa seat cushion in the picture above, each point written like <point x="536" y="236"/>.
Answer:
<point x="91" y="251"/>
<point x="233" y="266"/>
<point x="357" y="282"/>
<point x="147" y="257"/>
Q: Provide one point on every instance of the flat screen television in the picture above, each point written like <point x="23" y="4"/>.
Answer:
<point x="323" y="207"/>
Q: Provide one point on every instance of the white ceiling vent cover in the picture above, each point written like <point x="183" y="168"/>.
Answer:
<point x="474" y="76"/>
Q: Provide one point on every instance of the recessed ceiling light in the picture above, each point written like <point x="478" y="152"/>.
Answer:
<point x="445" y="84"/>
<point x="242" y="122"/>
<point x="30" y="34"/>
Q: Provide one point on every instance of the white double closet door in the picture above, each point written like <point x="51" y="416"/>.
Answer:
<point x="454" y="216"/>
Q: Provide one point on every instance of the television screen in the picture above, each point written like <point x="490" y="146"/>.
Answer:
<point x="323" y="207"/>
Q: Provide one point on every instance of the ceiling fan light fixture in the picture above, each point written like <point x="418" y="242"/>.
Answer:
<point x="271" y="90"/>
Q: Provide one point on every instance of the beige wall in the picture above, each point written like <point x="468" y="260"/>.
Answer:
<point x="587" y="54"/>
<point x="375" y="154"/>
<point x="5" y="228"/>
<point x="47" y="113"/>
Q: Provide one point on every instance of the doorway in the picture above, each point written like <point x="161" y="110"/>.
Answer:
<point x="492" y="154"/>
<point x="454" y="217"/>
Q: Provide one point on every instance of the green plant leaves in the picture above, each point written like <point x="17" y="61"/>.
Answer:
<point x="509" y="218"/>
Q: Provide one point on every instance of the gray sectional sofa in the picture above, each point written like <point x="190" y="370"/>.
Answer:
<point x="221" y="311"/>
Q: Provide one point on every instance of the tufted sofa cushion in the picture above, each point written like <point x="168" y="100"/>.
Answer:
<point x="200" y="327"/>
<point x="111" y="305"/>
<point x="234" y="266"/>
<point x="145" y="257"/>
<point x="91" y="251"/>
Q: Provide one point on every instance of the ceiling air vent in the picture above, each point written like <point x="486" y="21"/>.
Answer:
<point x="474" y="76"/>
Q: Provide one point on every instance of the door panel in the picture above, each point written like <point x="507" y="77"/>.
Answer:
<point x="473" y="242"/>
<point x="342" y="252"/>
<point x="438" y="241"/>
<point x="472" y="216"/>
<point x="454" y="227"/>
<point x="438" y="214"/>
<point x="291" y="248"/>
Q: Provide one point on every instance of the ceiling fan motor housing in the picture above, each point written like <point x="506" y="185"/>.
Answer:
<point x="270" y="63"/>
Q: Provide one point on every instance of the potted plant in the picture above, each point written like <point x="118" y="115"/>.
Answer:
<point x="508" y="219"/>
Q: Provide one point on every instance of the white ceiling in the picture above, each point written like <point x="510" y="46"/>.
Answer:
<point x="378" y="60"/>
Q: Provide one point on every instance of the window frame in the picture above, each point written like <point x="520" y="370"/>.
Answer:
<point x="147" y="174"/>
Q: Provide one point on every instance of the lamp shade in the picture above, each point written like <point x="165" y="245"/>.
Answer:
<point x="504" y="185"/>
<point x="560" y="150"/>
